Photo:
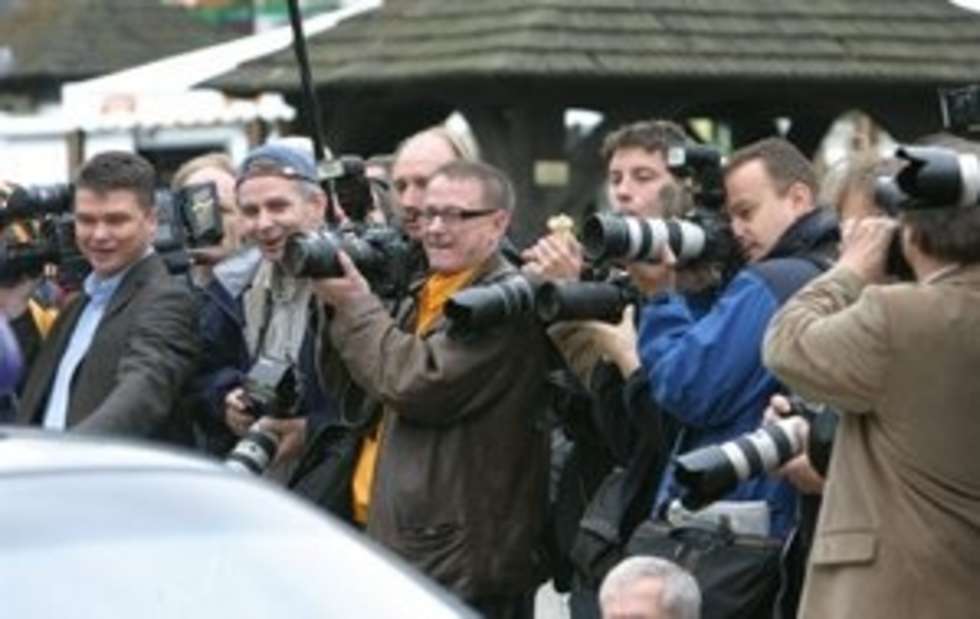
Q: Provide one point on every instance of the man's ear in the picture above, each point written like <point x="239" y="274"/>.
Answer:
<point x="319" y="202"/>
<point x="501" y="221"/>
<point x="801" y="198"/>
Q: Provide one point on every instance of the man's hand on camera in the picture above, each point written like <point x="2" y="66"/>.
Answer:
<point x="798" y="471"/>
<point x="864" y="246"/>
<point x="651" y="278"/>
<point x="291" y="433"/>
<point x="237" y="415"/>
<point x="339" y="291"/>
<point x="554" y="257"/>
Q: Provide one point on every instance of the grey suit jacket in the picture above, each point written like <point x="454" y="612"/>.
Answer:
<point x="899" y="530"/>
<point x="143" y="351"/>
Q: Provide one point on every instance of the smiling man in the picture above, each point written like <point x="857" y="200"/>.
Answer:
<point x="254" y="309"/>
<point x="118" y="355"/>
<point x="461" y="485"/>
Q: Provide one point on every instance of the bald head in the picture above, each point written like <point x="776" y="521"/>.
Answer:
<point x="416" y="161"/>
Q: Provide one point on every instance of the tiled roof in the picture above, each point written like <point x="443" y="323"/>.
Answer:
<point x="72" y="39"/>
<point x="877" y="41"/>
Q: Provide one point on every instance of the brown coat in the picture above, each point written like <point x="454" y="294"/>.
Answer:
<point x="461" y="482"/>
<point x="899" y="531"/>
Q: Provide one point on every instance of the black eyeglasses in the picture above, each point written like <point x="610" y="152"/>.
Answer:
<point x="450" y="216"/>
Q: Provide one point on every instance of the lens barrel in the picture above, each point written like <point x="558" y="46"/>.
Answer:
<point x="709" y="473"/>
<point x="617" y="237"/>
<point x="254" y="452"/>
<point x="485" y="306"/>
<point x="605" y="301"/>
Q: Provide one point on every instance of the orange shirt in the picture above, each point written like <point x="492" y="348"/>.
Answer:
<point x="431" y="300"/>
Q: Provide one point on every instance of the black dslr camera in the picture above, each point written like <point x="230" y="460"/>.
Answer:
<point x="187" y="218"/>
<point x="45" y="211"/>
<point x="699" y="167"/>
<point x="960" y="108"/>
<point x="701" y="236"/>
<point x="932" y="178"/>
<point x="380" y="253"/>
<point x="272" y="389"/>
<point x="344" y="180"/>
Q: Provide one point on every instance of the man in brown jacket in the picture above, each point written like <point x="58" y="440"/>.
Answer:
<point x="899" y="531"/>
<point x="459" y="488"/>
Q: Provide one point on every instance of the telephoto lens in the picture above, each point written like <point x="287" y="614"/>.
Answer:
<point x="479" y="307"/>
<point x="618" y="237"/>
<point x="709" y="473"/>
<point x="255" y="452"/>
<point x="605" y="301"/>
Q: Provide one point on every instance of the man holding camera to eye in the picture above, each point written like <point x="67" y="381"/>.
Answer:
<point x="119" y="353"/>
<point x="620" y="443"/>
<point x="898" y="530"/>
<point x="255" y="312"/>
<point x="460" y="481"/>
<point x="706" y="372"/>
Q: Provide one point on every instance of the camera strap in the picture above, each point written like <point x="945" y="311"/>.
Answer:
<point x="267" y="309"/>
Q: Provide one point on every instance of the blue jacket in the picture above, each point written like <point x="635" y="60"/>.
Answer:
<point x="708" y="373"/>
<point x="226" y="360"/>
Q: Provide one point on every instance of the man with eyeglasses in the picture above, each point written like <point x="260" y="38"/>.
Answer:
<point x="461" y="475"/>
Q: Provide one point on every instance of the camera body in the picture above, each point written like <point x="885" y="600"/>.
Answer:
<point x="271" y="389"/>
<point x="960" y="108"/>
<point x="932" y="178"/>
<point x="346" y="182"/>
<point x="380" y="253"/>
<point x="700" y="168"/>
<point x="187" y="218"/>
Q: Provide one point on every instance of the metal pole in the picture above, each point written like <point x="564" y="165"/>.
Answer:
<point x="311" y="107"/>
<point x="310" y="104"/>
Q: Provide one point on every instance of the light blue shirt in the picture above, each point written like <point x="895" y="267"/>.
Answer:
<point x="99" y="292"/>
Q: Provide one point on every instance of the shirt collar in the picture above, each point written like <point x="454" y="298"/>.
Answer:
<point x="940" y="273"/>
<point x="99" y="289"/>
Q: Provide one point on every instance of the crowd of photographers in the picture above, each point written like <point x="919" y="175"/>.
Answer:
<point x="749" y="373"/>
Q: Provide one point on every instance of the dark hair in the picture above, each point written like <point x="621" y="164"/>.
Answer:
<point x="119" y="170"/>
<point x="655" y="136"/>
<point x="950" y="234"/>
<point x="784" y="163"/>
<point x="498" y="192"/>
